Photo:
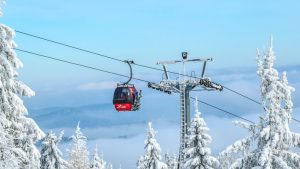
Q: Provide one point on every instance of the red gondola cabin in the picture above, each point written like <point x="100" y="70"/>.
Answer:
<point x="126" y="98"/>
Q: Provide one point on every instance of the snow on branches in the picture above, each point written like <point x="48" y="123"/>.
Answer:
<point x="171" y="161"/>
<point x="271" y="137"/>
<point x="2" y="2"/>
<point x="98" y="162"/>
<point x="20" y="131"/>
<point x="8" y="157"/>
<point x="78" y="155"/>
<point x="51" y="156"/>
<point x="197" y="153"/>
<point x="152" y="157"/>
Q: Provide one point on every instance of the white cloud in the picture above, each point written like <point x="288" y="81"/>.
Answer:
<point x="103" y="85"/>
<point x="122" y="144"/>
<point x="126" y="150"/>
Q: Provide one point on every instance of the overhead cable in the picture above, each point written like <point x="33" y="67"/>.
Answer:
<point x="140" y="65"/>
<point x="109" y="72"/>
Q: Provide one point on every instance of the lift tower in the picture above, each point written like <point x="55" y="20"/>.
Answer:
<point x="184" y="86"/>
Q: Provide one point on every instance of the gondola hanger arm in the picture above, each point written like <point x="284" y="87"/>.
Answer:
<point x="129" y="62"/>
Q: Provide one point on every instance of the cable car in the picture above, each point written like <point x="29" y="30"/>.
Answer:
<point x="126" y="96"/>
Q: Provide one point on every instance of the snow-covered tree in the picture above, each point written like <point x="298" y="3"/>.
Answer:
<point x="271" y="137"/>
<point x="22" y="132"/>
<point x="51" y="156"/>
<point x="109" y="166"/>
<point x="98" y="162"/>
<point x="2" y="2"/>
<point x="152" y="157"/>
<point x="171" y="161"/>
<point x="78" y="155"/>
<point x="8" y="159"/>
<point x="197" y="153"/>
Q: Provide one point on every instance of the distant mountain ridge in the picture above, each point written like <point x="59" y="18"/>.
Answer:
<point x="91" y="116"/>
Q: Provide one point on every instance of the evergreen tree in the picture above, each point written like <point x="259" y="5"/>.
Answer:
<point x="272" y="136"/>
<point x="51" y="156"/>
<point x="197" y="153"/>
<point x="2" y="2"/>
<point x="98" y="163"/>
<point x="109" y="166"/>
<point x="21" y="133"/>
<point x="78" y="155"/>
<point x="171" y="161"/>
<point x="8" y="159"/>
<point x="152" y="157"/>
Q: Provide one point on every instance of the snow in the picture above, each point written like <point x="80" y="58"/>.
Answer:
<point x="152" y="157"/>
<point x="19" y="133"/>
<point x="98" y="162"/>
<point x="271" y="137"/>
<point x="171" y="161"/>
<point x="51" y="156"/>
<point x="269" y="145"/>
<point x="197" y="153"/>
<point x="78" y="154"/>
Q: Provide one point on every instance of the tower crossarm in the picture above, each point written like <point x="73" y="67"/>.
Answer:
<point x="168" y="62"/>
<point x="165" y="86"/>
<point x="207" y="84"/>
<point x="184" y="60"/>
<point x="184" y="86"/>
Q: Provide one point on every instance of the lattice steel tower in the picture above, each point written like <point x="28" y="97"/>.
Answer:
<point x="184" y="86"/>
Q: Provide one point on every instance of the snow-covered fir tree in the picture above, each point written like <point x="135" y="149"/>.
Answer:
<point x="271" y="137"/>
<point x="78" y="155"/>
<point x="21" y="133"/>
<point x="2" y="2"/>
<point x="98" y="162"/>
<point x="171" y="161"/>
<point x="152" y="157"/>
<point x="8" y="158"/>
<point x="109" y="166"/>
<point x="197" y="153"/>
<point x="51" y="156"/>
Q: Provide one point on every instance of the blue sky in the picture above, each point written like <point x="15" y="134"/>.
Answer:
<point x="148" y="31"/>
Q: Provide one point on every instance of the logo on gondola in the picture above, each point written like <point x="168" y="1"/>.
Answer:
<point x="120" y="106"/>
